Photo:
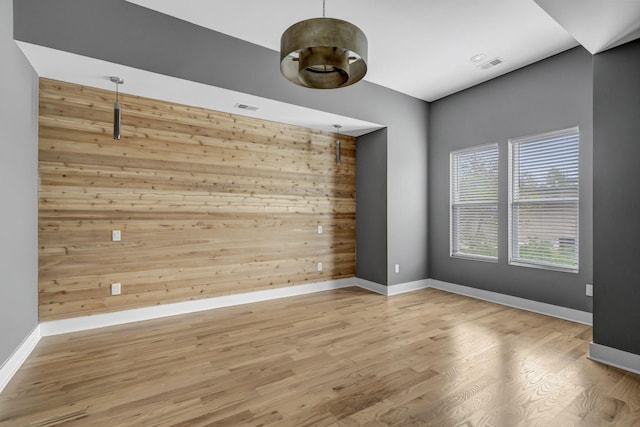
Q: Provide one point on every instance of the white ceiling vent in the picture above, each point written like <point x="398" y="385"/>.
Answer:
<point x="246" y="107"/>
<point x="490" y="64"/>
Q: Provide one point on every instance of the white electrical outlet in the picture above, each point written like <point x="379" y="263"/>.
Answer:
<point x="397" y="268"/>
<point x="588" y="290"/>
<point x="116" y="235"/>
<point x="319" y="266"/>
<point x="116" y="288"/>
<point x="319" y="229"/>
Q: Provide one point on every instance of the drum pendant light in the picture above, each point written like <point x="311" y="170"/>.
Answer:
<point x="323" y="53"/>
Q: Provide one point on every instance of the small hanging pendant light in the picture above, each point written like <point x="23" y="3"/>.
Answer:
<point x="117" y="119"/>
<point x="338" y="151"/>
<point x="323" y="53"/>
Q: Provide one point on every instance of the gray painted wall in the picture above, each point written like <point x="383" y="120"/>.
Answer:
<point x="371" y="206"/>
<point x="19" y="190"/>
<point x="549" y="95"/>
<point x="124" y="33"/>
<point x="616" y="313"/>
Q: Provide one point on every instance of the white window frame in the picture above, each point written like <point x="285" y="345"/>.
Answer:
<point x="452" y="202"/>
<point x="518" y="261"/>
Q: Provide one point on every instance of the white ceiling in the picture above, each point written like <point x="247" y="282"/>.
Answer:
<point x="422" y="47"/>
<point x="418" y="47"/>
<point x="69" y="67"/>
<point x="597" y="24"/>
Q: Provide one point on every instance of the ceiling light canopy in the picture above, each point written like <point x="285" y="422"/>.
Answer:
<point x="323" y="53"/>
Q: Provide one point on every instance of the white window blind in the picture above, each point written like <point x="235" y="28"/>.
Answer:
<point x="543" y="200"/>
<point x="474" y="202"/>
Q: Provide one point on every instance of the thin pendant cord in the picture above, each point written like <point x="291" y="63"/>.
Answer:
<point x="323" y="8"/>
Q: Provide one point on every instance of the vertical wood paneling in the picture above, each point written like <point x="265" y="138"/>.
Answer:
<point x="209" y="203"/>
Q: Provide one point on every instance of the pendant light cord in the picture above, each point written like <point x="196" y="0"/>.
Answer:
<point x="323" y="8"/>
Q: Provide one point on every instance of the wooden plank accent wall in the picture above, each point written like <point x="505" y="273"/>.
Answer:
<point x="209" y="203"/>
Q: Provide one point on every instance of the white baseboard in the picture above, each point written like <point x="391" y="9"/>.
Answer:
<point x="63" y="326"/>
<point x="614" y="357"/>
<point x="55" y="327"/>
<point x="407" y="287"/>
<point x="371" y="286"/>
<point x="11" y="366"/>
<point x="565" y="313"/>
<point x="392" y="289"/>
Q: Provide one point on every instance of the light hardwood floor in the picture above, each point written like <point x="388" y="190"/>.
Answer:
<point x="345" y="357"/>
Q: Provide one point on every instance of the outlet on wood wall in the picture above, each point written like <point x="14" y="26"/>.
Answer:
<point x="208" y="203"/>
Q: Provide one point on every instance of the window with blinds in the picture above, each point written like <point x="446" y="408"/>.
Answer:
<point x="474" y="203"/>
<point x="543" y="200"/>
